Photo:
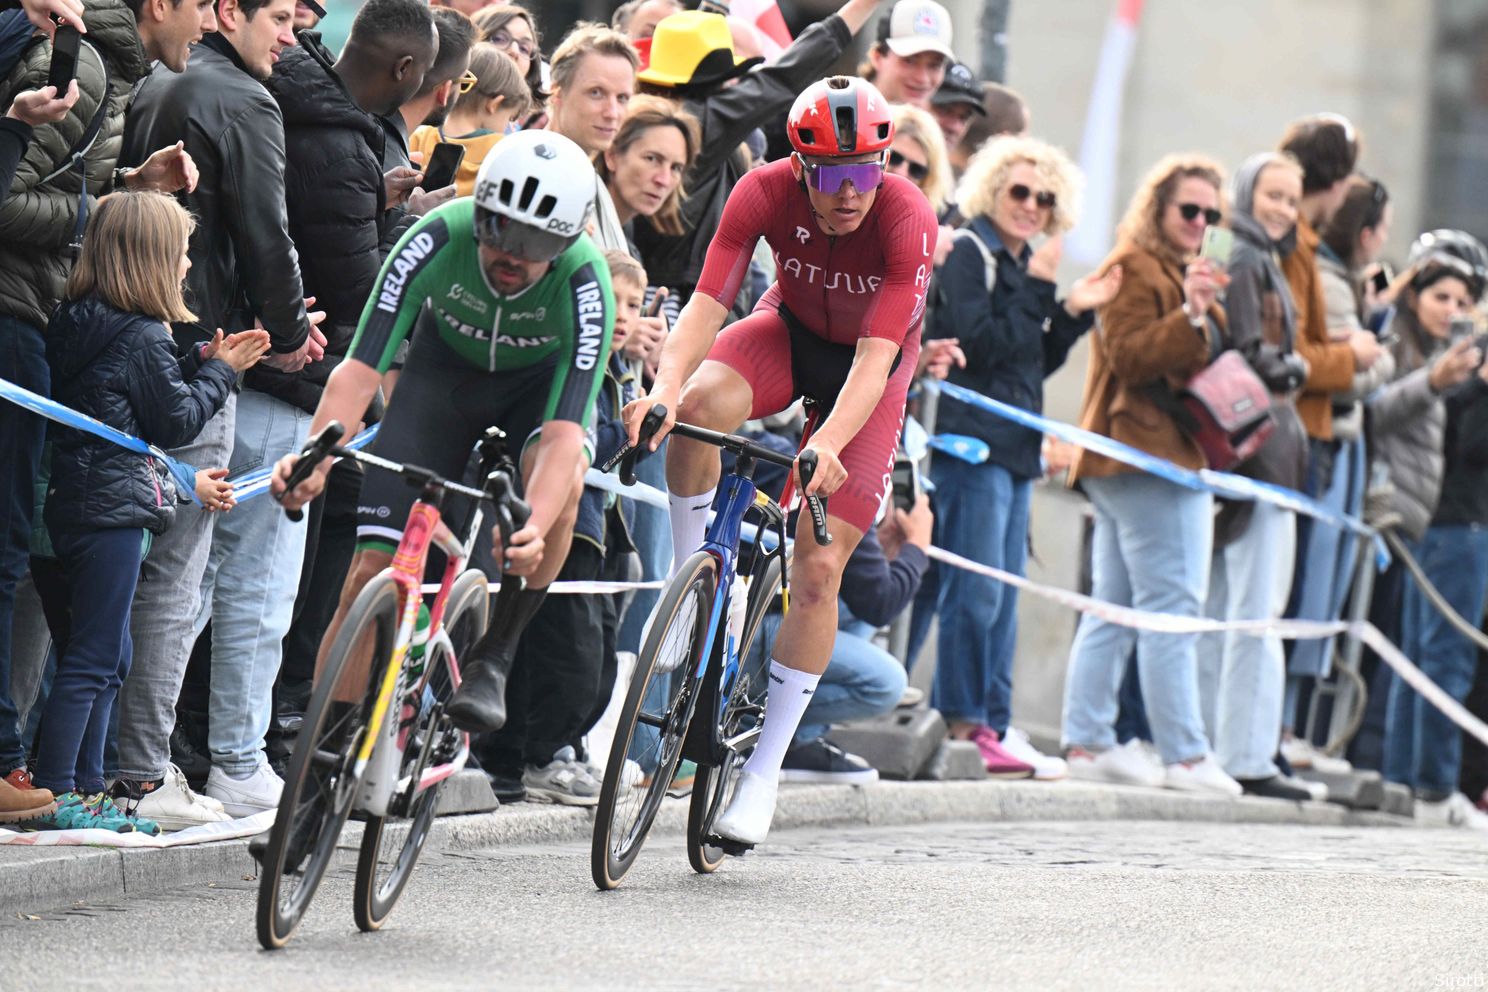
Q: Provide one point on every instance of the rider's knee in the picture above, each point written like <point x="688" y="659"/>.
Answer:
<point x="364" y="567"/>
<point x="815" y="580"/>
<point x="709" y="400"/>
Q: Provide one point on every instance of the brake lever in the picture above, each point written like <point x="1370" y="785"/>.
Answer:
<point x="817" y="505"/>
<point x="629" y="454"/>
<point x="311" y="455"/>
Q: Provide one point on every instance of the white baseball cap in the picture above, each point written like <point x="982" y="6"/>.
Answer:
<point x="915" y="26"/>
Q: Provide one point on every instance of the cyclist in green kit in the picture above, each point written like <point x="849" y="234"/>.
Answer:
<point x="519" y="315"/>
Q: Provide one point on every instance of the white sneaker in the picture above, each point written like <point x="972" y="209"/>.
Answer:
<point x="563" y="781"/>
<point x="1046" y="768"/>
<point x="1319" y="790"/>
<point x="912" y="697"/>
<point x="750" y="811"/>
<point x="1302" y="753"/>
<point x="631" y="775"/>
<point x="1455" y="811"/>
<point x="245" y="796"/>
<point x="174" y="806"/>
<point x="1125" y="765"/>
<point x="1203" y="775"/>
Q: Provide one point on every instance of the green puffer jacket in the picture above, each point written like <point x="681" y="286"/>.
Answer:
<point x="37" y="219"/>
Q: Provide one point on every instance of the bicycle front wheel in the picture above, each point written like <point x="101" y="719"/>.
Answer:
<point x="738" y="726"/>
<point x="322" y="781"/>
<point x="389" y="853"/>
<point x="653" y="721"/>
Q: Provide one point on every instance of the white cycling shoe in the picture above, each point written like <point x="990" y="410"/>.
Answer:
<point x="747" y="818"/>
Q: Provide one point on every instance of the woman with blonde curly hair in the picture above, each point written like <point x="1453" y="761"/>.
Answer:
<point x="997" y="295"/>
<point x="1153" y="538"/>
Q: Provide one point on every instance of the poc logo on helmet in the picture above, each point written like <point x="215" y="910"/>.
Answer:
<point x="561" y="226"/>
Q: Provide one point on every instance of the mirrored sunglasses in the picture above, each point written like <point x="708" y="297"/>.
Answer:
<point x="864" y="176"/>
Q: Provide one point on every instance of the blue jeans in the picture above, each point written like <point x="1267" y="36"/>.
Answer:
<point x="1151" y="551"/>
<point x="1423" y="748"/>
<point x="22" y="434"/>
<point x="248" y="591"/>
<point x="1242" y="678"/>
<point x="1325" y="562"/>
<point x="102" y="569"/>
<point x="861" y="680"/>
<point x="983" y="515"/>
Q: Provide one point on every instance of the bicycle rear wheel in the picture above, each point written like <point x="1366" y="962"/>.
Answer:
<point x="653" y="721"/>
<point x="742" y="715"/>
<point x="322" y="782"/>
<point x="388" y="853"/>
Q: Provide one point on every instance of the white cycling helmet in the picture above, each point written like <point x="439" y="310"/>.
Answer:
<point x="534" y="195"/>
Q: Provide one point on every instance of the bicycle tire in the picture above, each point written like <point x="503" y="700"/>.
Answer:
<point x="373" y="899"/>
<point x="694" y="586"/>
<point x="712" y="784"/>
<point x="336" y="783"/>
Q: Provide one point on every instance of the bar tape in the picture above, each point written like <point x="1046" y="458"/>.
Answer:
<point x="1126" y="616"/>
<point x="1225" y="484"/>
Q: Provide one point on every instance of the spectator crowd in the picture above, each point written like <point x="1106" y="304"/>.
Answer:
<point x="190" y="231"/>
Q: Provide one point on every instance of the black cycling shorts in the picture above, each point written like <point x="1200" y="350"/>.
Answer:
<point x="440" y="410"/>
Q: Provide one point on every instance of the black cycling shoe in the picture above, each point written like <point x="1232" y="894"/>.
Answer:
<point x="479" y="705"/>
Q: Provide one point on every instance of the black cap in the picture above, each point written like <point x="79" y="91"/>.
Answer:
<point x="960" y="86"/>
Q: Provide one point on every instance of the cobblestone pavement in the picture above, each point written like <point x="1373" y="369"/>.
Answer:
<point x="1096" y="905"/>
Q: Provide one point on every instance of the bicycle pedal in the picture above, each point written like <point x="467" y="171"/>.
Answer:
<point x="733" y="848"/>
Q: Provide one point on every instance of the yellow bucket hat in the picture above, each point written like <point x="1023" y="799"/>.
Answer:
<point x="692" y="48"/>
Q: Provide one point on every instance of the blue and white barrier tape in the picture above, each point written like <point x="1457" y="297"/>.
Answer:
<point x="1225" y="484"/>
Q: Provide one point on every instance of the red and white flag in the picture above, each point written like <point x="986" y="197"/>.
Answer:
<point x="764" y="15"/>
<point x="1100" y="145"/>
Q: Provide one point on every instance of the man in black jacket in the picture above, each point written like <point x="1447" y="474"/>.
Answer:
<point x="241" y="571"/>
<point x="336" y="200"/>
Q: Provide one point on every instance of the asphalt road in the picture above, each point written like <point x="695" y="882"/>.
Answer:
<point x="1046" y="906"/>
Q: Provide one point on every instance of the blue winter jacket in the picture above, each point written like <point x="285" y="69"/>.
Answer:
<point x="121" y="368"/>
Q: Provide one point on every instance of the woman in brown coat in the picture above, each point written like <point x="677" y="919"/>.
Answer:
<point x="1152" y="539"/>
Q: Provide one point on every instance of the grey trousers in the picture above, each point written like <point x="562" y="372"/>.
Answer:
<point x="30" y="641"/>
<point x="166" y="605"/>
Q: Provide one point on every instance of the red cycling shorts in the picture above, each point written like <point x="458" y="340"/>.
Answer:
<point x="758" y="348"/>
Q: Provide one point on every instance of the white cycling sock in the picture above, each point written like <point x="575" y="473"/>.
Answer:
<point x="689" y="522"/>
<point x="790" y="692"/>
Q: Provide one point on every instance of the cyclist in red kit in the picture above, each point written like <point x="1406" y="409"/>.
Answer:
<point x="841" y="324"/>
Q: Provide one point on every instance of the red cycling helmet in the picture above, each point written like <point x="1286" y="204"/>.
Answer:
<point x="838" y="117"/>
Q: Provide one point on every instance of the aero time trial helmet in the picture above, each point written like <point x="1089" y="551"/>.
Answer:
<point x="534" y="195"/>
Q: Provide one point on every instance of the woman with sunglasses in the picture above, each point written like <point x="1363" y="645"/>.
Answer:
<point x="1152" y="539"/>
<point x="996" y="294"/>
<point x="841" y="324"/>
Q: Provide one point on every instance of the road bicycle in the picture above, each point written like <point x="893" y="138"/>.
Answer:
<point x="699" y="687"/>
<point x="376" y="744"/>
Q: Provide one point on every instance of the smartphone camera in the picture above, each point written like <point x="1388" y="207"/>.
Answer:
<point x="906" y="483"/>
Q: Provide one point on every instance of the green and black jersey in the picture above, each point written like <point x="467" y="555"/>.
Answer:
<point x="567" y="316"/>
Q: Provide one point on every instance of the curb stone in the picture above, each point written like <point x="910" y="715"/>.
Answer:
<point x="34" y="879"/>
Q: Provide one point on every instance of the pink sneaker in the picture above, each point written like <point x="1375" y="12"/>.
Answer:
<point x="1000" y="763"/>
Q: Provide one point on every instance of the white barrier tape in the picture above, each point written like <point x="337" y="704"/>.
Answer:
<point x="640" y="492"/>
<point x="574" y="588"/>
<point x="1126" y="616"/>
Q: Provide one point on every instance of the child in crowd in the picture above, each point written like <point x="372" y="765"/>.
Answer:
<point x="480" y="115"/>
<point x="113" y="358"/>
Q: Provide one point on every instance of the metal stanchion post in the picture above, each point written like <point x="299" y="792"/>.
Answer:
<point x="1348" y="657"/>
